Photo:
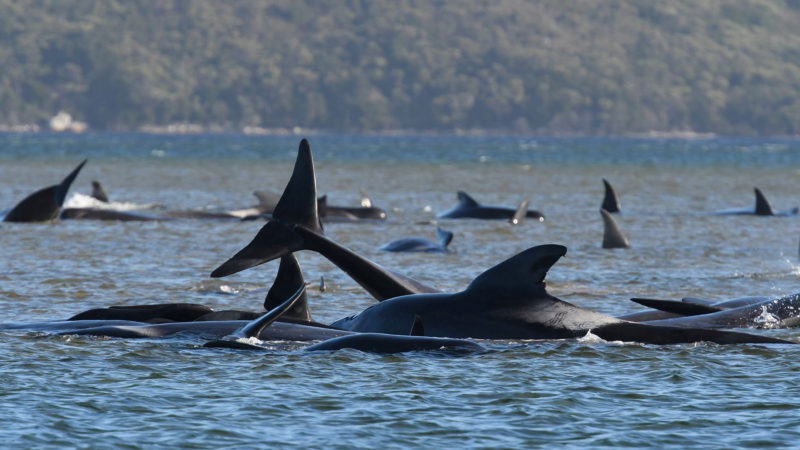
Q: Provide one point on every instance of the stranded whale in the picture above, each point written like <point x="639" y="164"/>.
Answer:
<point x="420" y="244"/>
<point x="468" y="208"/>
<point x="744" y="312"/>
<point x="509" y="301"/>
<point x="506" y="302"/>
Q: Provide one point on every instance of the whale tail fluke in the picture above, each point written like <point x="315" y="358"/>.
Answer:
<point x="613" y="237"/>
<point x="44" y="204"/>
<point x="763" y="208"/>
<point x="610" y="200"/>
<point x="296" y="207"/>
<point x="445" y="237"/>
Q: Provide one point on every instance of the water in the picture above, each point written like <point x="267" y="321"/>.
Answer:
<point x="95" y="392"/>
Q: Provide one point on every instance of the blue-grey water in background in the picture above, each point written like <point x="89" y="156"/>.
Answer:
<point x="94" y="392"/>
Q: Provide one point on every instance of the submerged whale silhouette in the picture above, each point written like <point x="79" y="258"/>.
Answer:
<point x="44" y="204"/>
<point x="420" y="244"/>
<point x="506" y="302"/>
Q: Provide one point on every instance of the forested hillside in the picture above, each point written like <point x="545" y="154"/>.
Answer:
<point x="566" y="67"/>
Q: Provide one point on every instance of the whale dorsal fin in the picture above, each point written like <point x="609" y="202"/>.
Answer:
<point x="465" y="200"/>
<point x="444" y="237"/>
<point x="522" y="273"/>
<point x="267" y="200"/>
<point x="677" y="307"/>
<point x="519" y="215"/>
<point x="610" y="200"/>
<point x="763" y="207"/>
<point x="289" y="278"/>
<point x="44" y="204"/>
<point x="418" y="329"/>
<point x="98" y="192"/>
<point x="366" y="202"/>
<point x="613" y="237"/>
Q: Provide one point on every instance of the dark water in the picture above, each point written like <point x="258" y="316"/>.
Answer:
<point x="94" y="392"/>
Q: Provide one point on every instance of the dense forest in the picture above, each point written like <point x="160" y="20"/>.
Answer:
<point x="729" y="67"/>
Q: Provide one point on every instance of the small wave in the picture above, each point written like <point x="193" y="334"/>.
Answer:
<point x="86" y="201"/>
<point x="766" y="319"/>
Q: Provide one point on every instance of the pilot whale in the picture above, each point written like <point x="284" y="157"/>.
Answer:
<point x="743" y="312"/>
<point x="420" y="244"/>
<point x="369" y="342"/>
<point x="509" y="301"/>
<point x="44" y="204"/>
<point x="469" y="208"/>
<point x="327" y="212"/>
<point x="506" y="302"/>
<point x="762" y="208"/>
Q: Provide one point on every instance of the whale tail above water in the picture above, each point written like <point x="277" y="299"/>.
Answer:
<point x="295" y="225"/>
<point x="44" y="204"/>
<point x="296" y="207"/>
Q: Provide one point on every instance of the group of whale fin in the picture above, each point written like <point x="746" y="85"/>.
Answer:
<point x="507" y="301"/>
<point x="613" y="236"/>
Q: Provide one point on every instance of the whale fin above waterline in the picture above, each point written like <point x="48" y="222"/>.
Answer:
<point x="610" y="200"/>
<point x="763" y="208"/>
<point x="44" y="204"/>
<point x="288" y="280"/>
<point x="519" y="216"/>
<point x="613" y="237"/>
<point x="677" y="307"/>
<point x="297" y="206"/>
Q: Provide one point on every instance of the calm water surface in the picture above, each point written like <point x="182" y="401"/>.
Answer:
<point x="94" y="392"/>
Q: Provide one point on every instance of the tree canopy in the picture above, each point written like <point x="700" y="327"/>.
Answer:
<point x="550" y="66"/>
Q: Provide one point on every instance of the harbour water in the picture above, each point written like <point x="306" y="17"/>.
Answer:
<point x="76" y="391"/>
